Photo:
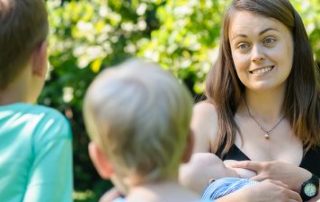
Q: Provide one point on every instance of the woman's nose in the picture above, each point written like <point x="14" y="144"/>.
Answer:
<point x="257" y="54"/>
<point x="258" y="59"/>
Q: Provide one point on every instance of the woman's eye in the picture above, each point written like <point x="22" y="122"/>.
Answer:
<point x="243" y="46"/>
<point x="269" y="41"/>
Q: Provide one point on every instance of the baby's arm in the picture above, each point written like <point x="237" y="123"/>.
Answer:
<point x="241" y="172"/>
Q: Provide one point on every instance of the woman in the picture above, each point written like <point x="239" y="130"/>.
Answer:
<point x="263" y="97"/>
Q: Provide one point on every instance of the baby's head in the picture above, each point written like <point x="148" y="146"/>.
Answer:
<point x="137" y="116"/>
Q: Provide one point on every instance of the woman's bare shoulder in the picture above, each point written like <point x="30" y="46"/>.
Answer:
<point x="204" y="125"/>
<point x="205" y="110"/>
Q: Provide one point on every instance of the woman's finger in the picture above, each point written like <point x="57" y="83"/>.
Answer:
<point x="251" y="165"/>
<point x="259" y="177"/>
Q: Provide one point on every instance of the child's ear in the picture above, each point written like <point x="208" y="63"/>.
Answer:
<point x="100" y="161"/>
<point x="189" y="147"/>
<point x="40" y="60"/>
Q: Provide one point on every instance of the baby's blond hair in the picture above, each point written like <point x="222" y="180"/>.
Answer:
<point x="139" y="115"/>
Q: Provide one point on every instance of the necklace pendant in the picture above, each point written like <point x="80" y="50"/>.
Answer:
<point x="266" y="136"/>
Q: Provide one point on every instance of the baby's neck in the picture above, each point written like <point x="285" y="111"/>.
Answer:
<point x="169" y="191"/>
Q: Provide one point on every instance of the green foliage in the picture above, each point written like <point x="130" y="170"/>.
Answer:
<point x="89" y="35"/>
<point x="312" y="19"/>
<point x="186" y="42"/>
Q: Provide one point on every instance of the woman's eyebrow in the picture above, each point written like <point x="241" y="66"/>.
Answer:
<point x="260" y="33"/>
<point x="266" y="30"/>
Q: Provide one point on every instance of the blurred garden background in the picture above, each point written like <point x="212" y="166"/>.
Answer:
<point x="90" y="35"/>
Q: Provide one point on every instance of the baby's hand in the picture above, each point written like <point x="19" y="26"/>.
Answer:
<point x="243" y="173"/>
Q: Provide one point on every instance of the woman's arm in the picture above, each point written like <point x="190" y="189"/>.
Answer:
<point x="203" y="165"/>
<point x="265" y="191"/>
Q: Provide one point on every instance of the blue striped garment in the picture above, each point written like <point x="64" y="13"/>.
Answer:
<point x="224" y="186"/>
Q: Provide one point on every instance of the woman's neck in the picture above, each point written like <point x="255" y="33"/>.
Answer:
<point x="265" y="106"/>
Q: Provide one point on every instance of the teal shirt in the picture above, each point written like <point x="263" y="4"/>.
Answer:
<point x="35" y="154"/>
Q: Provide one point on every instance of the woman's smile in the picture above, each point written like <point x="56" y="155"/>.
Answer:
<point x="261" y="70"/>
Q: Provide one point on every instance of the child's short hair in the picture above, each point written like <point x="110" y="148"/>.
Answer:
<point x="139" y="115"/>
<point x="23" y="26"/>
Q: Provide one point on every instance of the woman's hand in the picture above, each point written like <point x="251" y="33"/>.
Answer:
<point x="287" y="173"/>
<point x="265" y="191"/>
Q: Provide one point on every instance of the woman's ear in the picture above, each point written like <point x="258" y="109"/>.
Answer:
<point x="100" y="161"/>
<point x="189" y="147"/>
<point x="40" y="60"/>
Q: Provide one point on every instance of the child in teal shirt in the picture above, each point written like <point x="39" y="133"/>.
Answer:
<point x="35" y="141"/>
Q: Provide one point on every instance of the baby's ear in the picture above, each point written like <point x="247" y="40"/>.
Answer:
<point x="189" y="147"/>
<point x="100" y="161"/>
<point x="40" y="60"/>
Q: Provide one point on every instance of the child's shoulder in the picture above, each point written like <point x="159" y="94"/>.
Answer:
<point x="45" y="111"/>
<point x="39" y="119"/>
<point x="36" y="111"/>
<point x="52" y="121"/>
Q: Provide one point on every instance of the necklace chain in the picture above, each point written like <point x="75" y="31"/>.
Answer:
<point x="267" y="132"/>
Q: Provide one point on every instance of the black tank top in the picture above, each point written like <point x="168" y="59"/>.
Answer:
<point x="310" y="160"/>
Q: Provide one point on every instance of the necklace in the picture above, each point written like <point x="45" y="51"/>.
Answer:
<point x="266" y="132"/>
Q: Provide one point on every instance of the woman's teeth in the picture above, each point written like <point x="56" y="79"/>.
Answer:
<point x="262" y="70"/>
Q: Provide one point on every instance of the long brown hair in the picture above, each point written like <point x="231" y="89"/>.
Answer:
<point x="301" y="103"/>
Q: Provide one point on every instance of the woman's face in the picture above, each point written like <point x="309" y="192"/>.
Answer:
<point x="262" y="50"/>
